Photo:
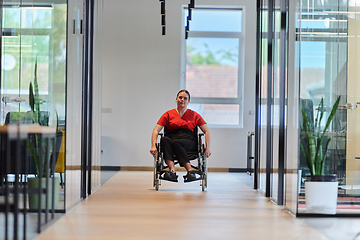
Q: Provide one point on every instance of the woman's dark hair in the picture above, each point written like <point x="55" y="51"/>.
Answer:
<point x="185" y="91"/>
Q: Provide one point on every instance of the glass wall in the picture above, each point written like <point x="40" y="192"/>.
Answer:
<point x="74" y="92"/>
<point x="49" y="58"/>
<point x="268" y="135"/>
<point x="33" y="50"/>
<point x="275" y="113"/>
<point x="292" y="115"/>
<point x="96" y="112"/>
<point x="328" y="33"/>
<point x="321" y="65"/>
<point x="263" y="95"/>
<point x="84" y="94"/>
<point x="30" y="37"/>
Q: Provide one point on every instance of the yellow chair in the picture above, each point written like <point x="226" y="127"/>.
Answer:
<point x="60" y="162"/>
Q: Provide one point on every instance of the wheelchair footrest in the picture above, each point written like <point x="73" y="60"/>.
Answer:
<point x="193" y="175"/>
<point x="168" y="176"/>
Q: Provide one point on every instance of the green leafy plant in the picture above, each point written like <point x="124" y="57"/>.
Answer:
<point x="41" y="118"/>
<point x="313" y="137"/>
<point x="208" y="57"/>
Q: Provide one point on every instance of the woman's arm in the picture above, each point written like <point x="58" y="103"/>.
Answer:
<point x="154" y="136"/>
<point x="205" y="129"/>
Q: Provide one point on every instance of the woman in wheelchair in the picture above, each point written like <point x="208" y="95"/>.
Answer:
<point x="180" y="123"/>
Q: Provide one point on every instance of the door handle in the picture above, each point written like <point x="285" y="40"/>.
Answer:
<point x="348" y="105"/>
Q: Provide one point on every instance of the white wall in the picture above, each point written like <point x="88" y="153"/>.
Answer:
<point x="141" y="76"/>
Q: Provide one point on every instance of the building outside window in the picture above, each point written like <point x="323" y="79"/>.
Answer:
<point x="213" y="65"/>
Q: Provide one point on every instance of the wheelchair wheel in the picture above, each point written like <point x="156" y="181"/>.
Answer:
<point x="204" y="170"/>
<point x="204" y="178"/>
<point x="155" y="172"/>
<point x="156" y="175"/>
<point x="203" y="184"/>
<point x="156" y="180"/>
<point x="157" y="184"/>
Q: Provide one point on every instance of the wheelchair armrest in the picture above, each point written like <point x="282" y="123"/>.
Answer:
<point x="200" y="141"/>
<point x="159" y="134"/>
<point x="200" y="136"/>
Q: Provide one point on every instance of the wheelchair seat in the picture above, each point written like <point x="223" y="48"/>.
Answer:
<point x="160" y="167"/>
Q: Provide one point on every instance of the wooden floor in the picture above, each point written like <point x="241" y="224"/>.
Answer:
<point x="127" y="207"/>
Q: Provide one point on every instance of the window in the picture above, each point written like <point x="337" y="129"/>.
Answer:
<point x="212" y="64"/>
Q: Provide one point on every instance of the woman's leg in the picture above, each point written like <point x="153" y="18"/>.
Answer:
<point x="171" y="165"/>
<point x="188" y="167"/>
<point x="180" y="148"/>
<point x="166" y="148"/>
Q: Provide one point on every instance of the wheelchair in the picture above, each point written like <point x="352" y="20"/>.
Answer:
<point x="160" y="166"/>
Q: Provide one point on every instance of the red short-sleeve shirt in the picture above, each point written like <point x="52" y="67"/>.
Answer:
<point x="171" y="119"/>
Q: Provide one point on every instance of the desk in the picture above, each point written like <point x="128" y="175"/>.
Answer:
<point x="16" y="138"/>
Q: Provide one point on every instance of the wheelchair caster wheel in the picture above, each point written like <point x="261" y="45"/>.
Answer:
<point x="157" y="183"/>
<point x="203" y="183"/>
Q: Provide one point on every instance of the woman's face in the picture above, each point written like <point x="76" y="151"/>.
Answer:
<point x="182" y="100"/>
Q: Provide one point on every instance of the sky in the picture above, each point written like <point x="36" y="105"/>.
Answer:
<point x="216" y="21"/>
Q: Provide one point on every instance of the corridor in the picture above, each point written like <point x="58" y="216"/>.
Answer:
<point x="127" y="207"/>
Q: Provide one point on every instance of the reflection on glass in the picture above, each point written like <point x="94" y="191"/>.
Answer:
<point x="36" y="34"/>
<point x="263" y="103"/>
<point x="329" y="69"/>
<point x="275" y="113"/>
<point x="220" y="114"/>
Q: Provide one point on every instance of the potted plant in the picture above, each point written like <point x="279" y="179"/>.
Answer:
<point x="34" y="145"/>
<point x="321" y="189"/>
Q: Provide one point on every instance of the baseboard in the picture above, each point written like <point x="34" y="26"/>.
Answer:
<point x="244" y="170"/>
<point x="110" y="168"/>
<point x="218" y="170"/>
<point x="179" y="169"/>
<point x="78" y="167"/>
<point x="136" y="168"/>
<point x="72" y="167"/>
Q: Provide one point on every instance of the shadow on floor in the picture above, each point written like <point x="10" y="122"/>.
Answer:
<point x="245" y="178"/>
<point x="106" y="175"/>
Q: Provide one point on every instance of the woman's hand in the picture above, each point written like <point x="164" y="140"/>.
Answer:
<point x="207" y="152"/>
<point x="154" y="136"/>
<point x="204" y="128"/>
<point x="153" y="151"/>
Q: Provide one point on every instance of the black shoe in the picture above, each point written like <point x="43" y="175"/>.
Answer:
<point x="191" y="176"/>
<point x="170" y="176"/>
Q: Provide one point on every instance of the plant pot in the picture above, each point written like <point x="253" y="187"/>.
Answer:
<point x="34" y="197"/>
<point x="321" y="193"/>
